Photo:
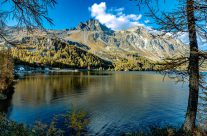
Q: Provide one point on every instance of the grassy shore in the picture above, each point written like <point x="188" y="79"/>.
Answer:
<point x="11" y="128"/>
<point x="77" y="126"/>
<point x="166" y="131"/>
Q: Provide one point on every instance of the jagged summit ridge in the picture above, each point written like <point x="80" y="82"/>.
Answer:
<point x="108" y="44"/>
<point x="133" y="40"/>
<point x="93" y="25"/>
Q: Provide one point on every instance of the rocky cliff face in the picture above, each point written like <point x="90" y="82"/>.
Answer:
<point x="108" y="44"/>
<point x="93" y="25"/>
<point x="102" y="41"/>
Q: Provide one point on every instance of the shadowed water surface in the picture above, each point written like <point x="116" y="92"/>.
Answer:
<point x="117" y="101"/>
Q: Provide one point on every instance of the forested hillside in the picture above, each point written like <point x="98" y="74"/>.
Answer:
<point x="56" y="54"/>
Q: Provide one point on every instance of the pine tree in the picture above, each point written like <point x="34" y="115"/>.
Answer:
<point x="190" y="16"/>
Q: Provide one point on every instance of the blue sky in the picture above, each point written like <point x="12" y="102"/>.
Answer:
<point x="68" y="13"/>
<point x="115" y="14"/>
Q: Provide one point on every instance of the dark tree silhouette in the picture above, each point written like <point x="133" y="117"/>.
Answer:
<point x="6" y="71"/>
<point x="190" y="16"/>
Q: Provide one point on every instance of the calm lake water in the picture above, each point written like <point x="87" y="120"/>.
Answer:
<point x="117" y="101"/>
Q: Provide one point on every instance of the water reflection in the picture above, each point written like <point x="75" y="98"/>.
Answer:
<point x="6" y="105"/>
<point x="45" y="89"/>
<point x="121" y="101"/>
<point x="202" y="106"/>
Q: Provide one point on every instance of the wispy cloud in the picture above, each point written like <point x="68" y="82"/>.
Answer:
<point x="146" y="21"/>
<point x="114" y="18"/>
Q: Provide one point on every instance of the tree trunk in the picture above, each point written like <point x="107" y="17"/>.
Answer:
<point x="190" y="118"/>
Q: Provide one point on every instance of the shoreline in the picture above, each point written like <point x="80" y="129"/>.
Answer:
<point x="21" y="70"/>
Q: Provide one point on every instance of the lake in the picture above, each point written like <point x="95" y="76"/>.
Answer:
<point x="117" y="101"/>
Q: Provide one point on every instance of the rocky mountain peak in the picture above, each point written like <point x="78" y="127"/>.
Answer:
<point x="93" y="25"/>
<point x="137" y="39"/>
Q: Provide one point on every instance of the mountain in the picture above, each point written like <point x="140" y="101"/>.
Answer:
<point x="202" y="42"/>
<point x="44" y="51"/>
<point x="93" y="25"/>
<point x="105" y="42"/>
<point x="136" y="48"/>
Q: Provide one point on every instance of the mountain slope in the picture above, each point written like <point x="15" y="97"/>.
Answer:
<point x="43" y="51"/>
<point x="105" y="42"/>
<point x="93" y="44"/>
<point x="202" y="42"/>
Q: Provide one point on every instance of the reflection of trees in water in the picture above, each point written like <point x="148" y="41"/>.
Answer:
<point x="202" y="106"/>
<point x="202" y="111"/>
<point x="45" y="88"/>
<point x="6" y="105"/>
<point x="41" y="89"/>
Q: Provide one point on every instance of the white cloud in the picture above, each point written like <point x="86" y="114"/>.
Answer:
<point x="114" y="18"/>
<point x="146" y="21"/>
